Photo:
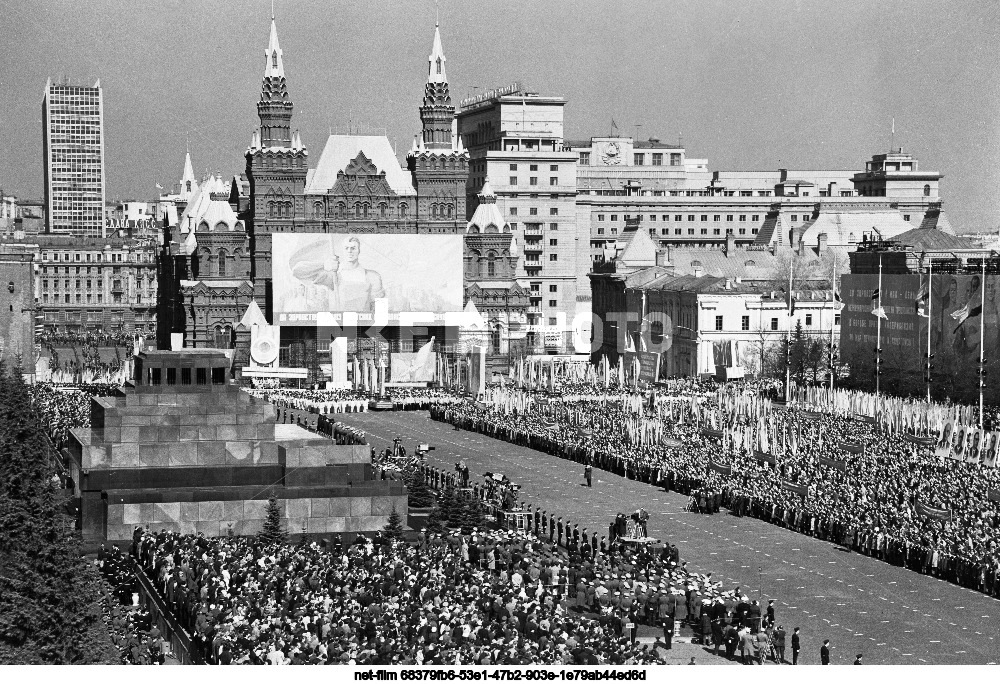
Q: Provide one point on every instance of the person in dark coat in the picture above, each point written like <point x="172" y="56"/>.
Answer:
<point x="668" y="630"/>
<point x="588" y="474"/>
<point x="769" y="620"/>
<point x="753" y="617"/>
<point x="824" y="653"/>
<point x="857" y="661"/>
<point x="718" y="635"/>
<point x="779" y="644"/>
<point x="732" y="639"/>
<point x="796" y="646"/>
<point x="742" y="608"/>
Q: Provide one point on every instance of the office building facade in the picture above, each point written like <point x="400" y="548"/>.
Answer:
<point x="73" y="164"/>
<point x="515" y="139"/>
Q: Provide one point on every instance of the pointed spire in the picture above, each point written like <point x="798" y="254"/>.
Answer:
<point x="436" y="61"/>
<point x="274" y="67"/>
<point x="486" y="193"/>
<point x="188" y="168"/>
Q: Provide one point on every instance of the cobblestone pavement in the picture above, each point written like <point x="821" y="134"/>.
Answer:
<point x="891" y="615"/>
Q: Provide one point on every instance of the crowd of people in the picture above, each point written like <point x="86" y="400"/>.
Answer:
<point x="489" y="597"/>
<point x="326" y="401"/>
<point x="118" y="338"/>
<point x="894" y="499"/>
<point x="64" y="407"/>
<point x="130" y="627"/>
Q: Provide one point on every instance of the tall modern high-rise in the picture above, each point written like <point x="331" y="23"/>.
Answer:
<point x="73" y="147"/>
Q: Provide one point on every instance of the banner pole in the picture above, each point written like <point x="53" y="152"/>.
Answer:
<point x="788" y="338"/>
<point x="930" y="300"/>
<point x="982" y="321"/>
<point x="878" y="338"/>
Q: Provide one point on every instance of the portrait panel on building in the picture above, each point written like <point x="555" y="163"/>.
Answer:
<point x="350" y="273"/>
<point x="956" y="308"/>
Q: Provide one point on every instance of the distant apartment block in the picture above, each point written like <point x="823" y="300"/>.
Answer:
<point x="73" y="150"/>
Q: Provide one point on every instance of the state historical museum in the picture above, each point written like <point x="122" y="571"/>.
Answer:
<point x="219" y="255"/>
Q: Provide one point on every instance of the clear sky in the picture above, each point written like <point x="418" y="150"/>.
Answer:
<point x="749" y="85"/>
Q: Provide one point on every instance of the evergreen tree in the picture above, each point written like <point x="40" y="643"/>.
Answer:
<point x="451" y="507"/>
<point x="49" y="605"/>
<point x="419" y="494"/>
<point x="394" y="529"/>
<point x="469" y="515"/>
<point x="272" y="531"/>
<point x="436" y="521"/>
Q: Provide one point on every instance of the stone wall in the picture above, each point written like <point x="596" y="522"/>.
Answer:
<point x="319" y="515"/>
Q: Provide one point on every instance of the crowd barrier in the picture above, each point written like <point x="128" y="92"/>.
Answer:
<point x="150" y="599"/>
<point x="961" y="571"/>
<point x="528" y="518"/>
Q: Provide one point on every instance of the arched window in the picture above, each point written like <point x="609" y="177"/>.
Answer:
<point x="383" y="209"/>
<point x="223" y="337"/>
<point x="696" y="264"/>
<point x="439" y="65"/>
<point x="451" y="210"/>
<point x="750" y="262"/>
<point x="220" y="226"/>
<point x="927" y="191"/>
<point x="203" y="227"/>
<point x="434" y="211"/>
<point x="491" y="264"/>
<point x="341" y="210"/>
<point x="402" y="209"/>
<point x="187" y="186"/>
<point x="357" y="210"/>
<point x="274" y="59"/>
<point x="222" y="262"/>
<point x="474" y="228"/>
<point x="318" y="209"/>
<point x="270" y="209"/>
<point x="367" y="209"/>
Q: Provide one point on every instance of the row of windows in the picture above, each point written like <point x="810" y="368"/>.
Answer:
<point x="157" y="376"/>
<point x="533" y="211"/>
<point x="364" y="210"/>
<point x="98" y="257"/>
<point x="745" y="322"/>
<point x="534" y="226"/>
<point x="534" y="167"/>
<point x="91" y="299"/>
<point x="533" y="180"/>
<point x="90" y="284"/>
<point x="639" y="158"/>
<point x="691" y="217"/>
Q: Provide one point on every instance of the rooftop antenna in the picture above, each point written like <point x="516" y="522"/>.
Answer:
<point x="437" y="13"/>
<point x="272" y="10"/>
<point x="892" y="135"/>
